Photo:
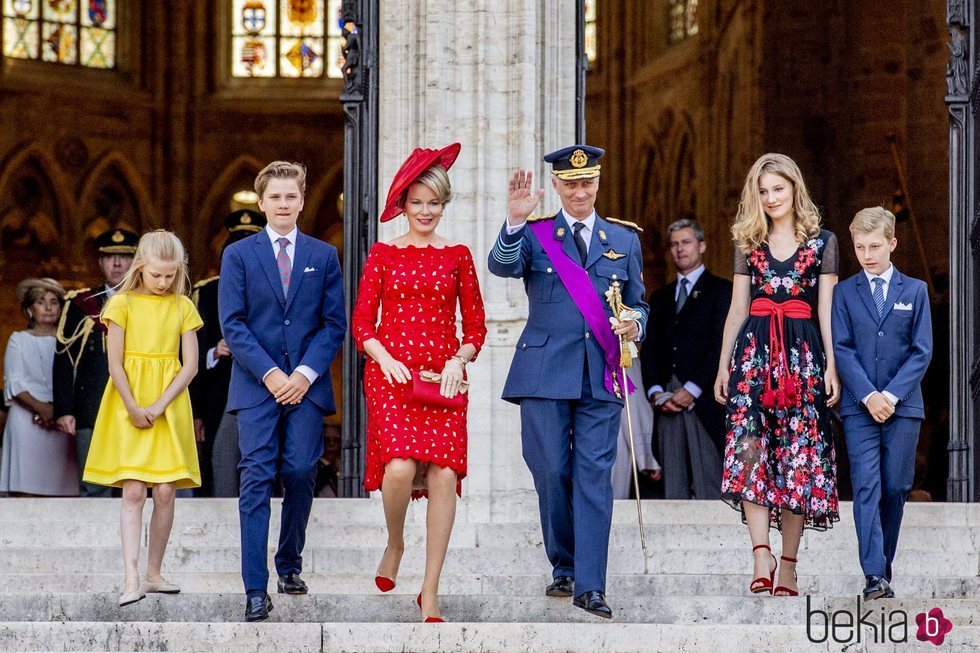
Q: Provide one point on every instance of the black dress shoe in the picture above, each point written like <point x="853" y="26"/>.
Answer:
<point x="258" y="608"/>
<point x="593" y="602"/>
<point x="561" y="586"/>
<point x="877" y="588"/>
<point x="292" y="584"/>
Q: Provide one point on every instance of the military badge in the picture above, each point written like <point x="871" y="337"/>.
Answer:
<point x="118" y="237"/>
<point x="560" y="232"/>
<point x="578" y="159"/>
<point x="613" y="255"/>
<point x="602" y="235"/>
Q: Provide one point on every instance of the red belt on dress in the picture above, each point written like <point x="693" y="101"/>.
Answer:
<point x="786" y="392"/>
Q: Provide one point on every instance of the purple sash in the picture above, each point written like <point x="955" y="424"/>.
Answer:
<point x="583" y="293"/>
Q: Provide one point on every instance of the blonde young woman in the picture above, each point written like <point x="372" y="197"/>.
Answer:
<point x="776" y="373"/>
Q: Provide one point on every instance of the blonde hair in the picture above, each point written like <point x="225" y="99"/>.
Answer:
<point x="751" y="227"/>
<point x="281" y="170"/>
<point x="435" y="179"/>
<point x="871" y="219"/>
<point x="164" y="247"/>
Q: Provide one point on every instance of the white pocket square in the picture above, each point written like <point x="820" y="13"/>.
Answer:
<point x="310" y="270"/>
<point x="899" y="306"/>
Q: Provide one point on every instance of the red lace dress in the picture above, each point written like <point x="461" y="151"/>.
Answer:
<point x="417" y="290"/>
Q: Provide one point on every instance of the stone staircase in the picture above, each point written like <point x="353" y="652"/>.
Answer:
<point x="60" y="576"/>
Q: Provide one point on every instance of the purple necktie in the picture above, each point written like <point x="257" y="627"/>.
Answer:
<point x="285" y="265"/>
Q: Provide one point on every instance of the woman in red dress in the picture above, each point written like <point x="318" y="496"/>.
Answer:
<point x="417" y="449"/>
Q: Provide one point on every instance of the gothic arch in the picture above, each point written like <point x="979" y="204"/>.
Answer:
<point x="113" y="183"/>
<point x="27" y="153"/>
<point x="208" y="230"/>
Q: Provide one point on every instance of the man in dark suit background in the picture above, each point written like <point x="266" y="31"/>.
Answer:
<point x="81" y="368"/>
<point x="679" y="359"/>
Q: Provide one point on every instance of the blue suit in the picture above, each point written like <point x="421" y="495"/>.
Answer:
<point x="264" y="330"/>
<point x="889" y="353"/>
<point x="569" y="421"/>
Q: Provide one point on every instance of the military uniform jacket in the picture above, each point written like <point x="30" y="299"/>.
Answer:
<point x="556" y="343"/>
<point x="81" y="365"/>
<point x="688" y="344"/>
<point x="209" y="389"/>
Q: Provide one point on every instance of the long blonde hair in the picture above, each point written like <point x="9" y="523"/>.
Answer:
<point x="164" y="247"/>
<point x="751" y="227"/>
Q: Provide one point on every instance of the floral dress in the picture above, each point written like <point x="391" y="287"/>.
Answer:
<point x="778" y="449"/>
<point x="417" y="290"/>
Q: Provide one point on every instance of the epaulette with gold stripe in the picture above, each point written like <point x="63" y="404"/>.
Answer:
<point x="204" y="282"/>
<point x="72" y="294"/>
<point x="632" y="226"/>
<point x="534" y="217"/>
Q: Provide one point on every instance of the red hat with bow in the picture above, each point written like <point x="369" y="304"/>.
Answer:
<point x="417" y="162"/>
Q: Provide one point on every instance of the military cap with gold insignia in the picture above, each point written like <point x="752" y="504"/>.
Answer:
<point x="242" y="223"/>
<point x="575" y="162"/>
<point x="117" y="241"/>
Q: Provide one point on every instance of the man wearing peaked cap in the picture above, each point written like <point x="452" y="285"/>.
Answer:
<point x="217" y="431"/>
<point x="567" y="262"/>
<point x="81" y="369"/>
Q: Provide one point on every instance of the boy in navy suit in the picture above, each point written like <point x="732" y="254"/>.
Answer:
<point x="281" y="303"/>
<point x="883" y="342"/>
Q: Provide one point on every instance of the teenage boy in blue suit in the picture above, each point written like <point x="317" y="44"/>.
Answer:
<point x="883" y="343"/>
<point x="560" y="372"/>
<point x="281" y="304"/>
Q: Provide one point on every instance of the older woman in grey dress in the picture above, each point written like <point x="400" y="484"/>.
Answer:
<point x="37" y="458"/>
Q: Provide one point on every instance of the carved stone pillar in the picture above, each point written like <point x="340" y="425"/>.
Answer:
<point x="501" y="81"/>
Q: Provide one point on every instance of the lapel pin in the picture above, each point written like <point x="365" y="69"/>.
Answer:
<point x="560" y="233"/>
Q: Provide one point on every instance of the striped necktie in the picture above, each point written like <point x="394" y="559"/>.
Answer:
<point x="284" y="264"/>
<point x="879" y="294"/>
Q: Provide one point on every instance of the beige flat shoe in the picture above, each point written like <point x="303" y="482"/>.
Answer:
<point x="128" y="598"/>
<point x="162" y="587"/>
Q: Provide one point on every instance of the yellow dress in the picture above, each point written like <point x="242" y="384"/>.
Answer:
<point x="167" y="451"/>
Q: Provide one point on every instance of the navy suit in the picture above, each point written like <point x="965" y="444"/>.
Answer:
<point x="887" y="353"/>
<point x="264" y="330"/>
<point x="569" y="421"/>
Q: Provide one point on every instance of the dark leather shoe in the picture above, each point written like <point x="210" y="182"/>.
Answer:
<point x="561" y="586"/>
<point x="877" y="588"/>
<point x="593" y="602"/>
<point x="292" y="584"/>
<point x="258" y="608"/>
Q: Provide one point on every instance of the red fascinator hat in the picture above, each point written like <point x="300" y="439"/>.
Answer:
<point x="416" y="163"/>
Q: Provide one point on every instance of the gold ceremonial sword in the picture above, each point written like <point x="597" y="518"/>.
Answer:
<point x="614" y="298"/>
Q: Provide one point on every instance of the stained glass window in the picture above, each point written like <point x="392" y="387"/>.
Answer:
<point x="75" y="32"/>
<point x="590" y="32"/>
<point x="683" y="20"/>
<point x="285" y="38"/>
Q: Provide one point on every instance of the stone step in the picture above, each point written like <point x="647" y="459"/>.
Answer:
<point x="510" y="507"/>
<point x="660" y="537"/>
<point x="501" y="584"/>
<point x="481" y="560"/>
<point x="314" y="608"/>
<point x="485" y="637"/>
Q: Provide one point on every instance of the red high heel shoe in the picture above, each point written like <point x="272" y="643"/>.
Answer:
<point x="782" y="590"/>
<point x="383" y="583"/>
<point x="763" y="584"/>
<point x="427" y="620"/>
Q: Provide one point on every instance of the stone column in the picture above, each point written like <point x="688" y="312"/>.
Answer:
<point x="500" y="79"/>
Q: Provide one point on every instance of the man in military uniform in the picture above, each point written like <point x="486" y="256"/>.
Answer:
<point x="570" y="419"/>
<point x="216" y="430"/>
<point x="81" y="369"/>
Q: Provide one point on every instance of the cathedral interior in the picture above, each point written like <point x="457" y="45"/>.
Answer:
<point x="144" y="115"/>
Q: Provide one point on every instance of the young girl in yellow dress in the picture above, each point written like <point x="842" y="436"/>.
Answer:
<point x="144" y="433"/>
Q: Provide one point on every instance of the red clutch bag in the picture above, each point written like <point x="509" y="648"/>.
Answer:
<point x="425" y="390"/>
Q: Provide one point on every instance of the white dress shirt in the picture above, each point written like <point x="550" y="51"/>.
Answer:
<point x="274" y="236"/>
<point x="887" y="276"/>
